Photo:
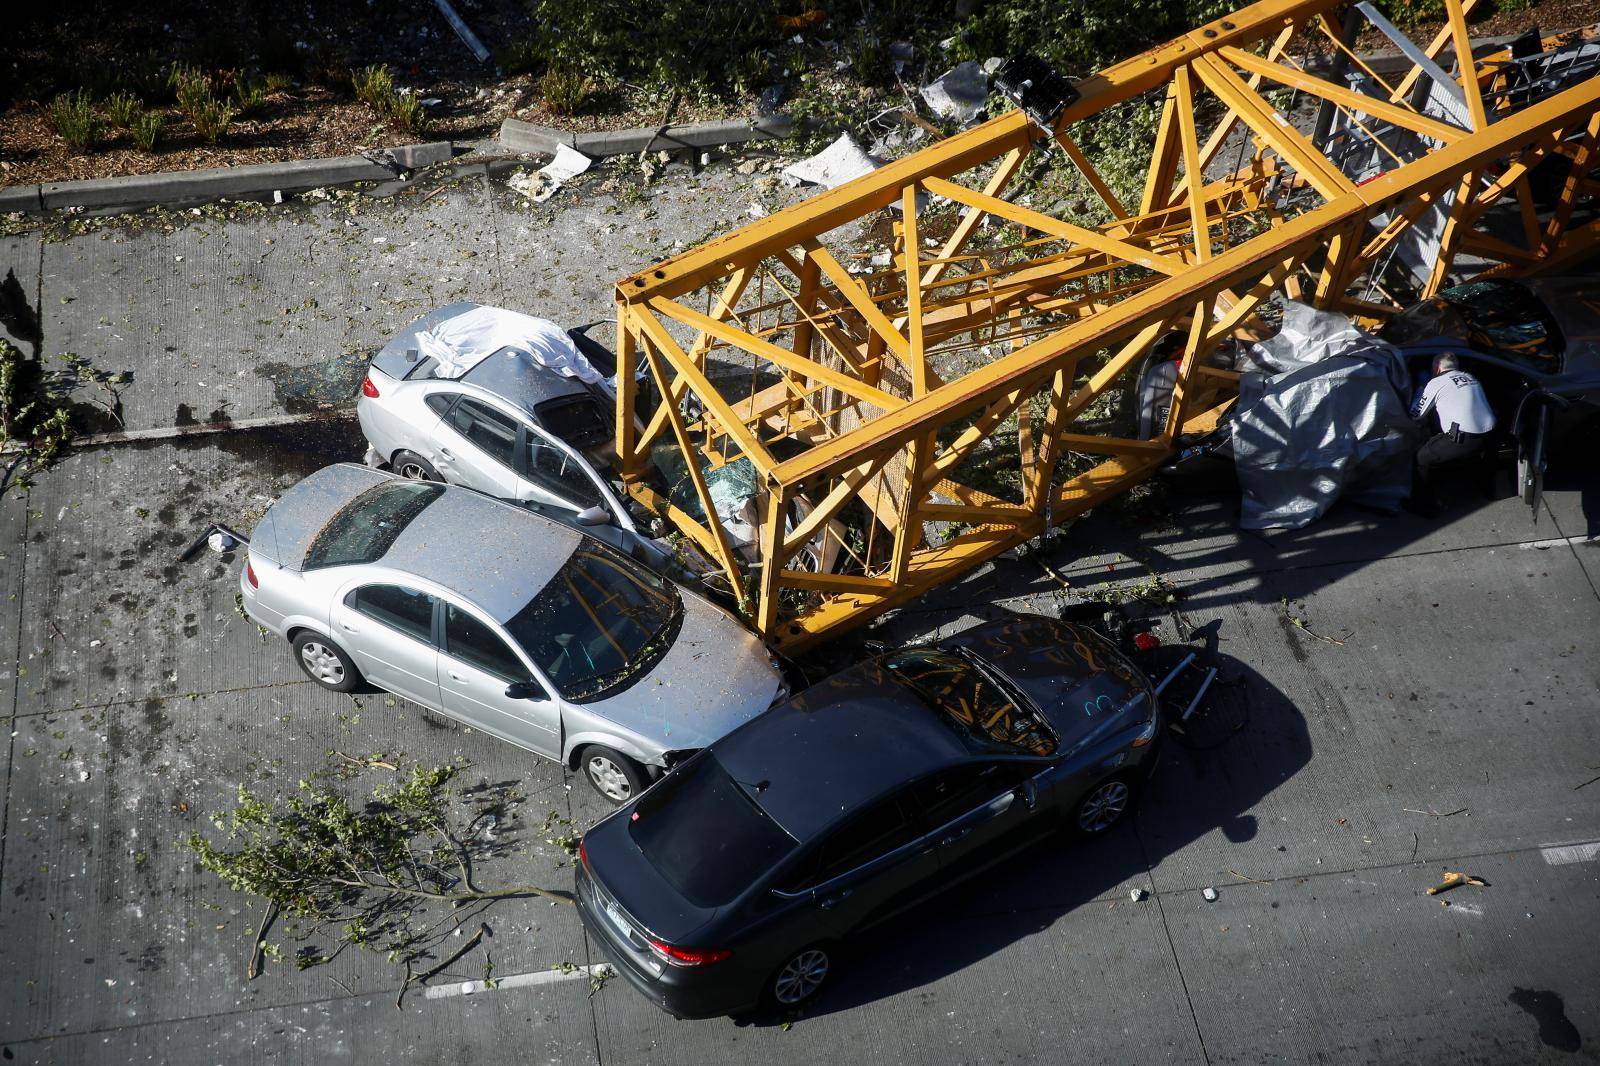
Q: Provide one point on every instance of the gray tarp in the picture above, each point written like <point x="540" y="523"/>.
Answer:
<point x="1323" y="414"/>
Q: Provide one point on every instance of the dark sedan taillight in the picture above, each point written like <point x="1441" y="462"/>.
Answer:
<point x="368" y="387"/>
<point x="250" y="575"/>
<point x="688" y="956"/>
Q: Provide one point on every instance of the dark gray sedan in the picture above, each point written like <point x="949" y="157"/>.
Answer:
<point x="732" y="882"/>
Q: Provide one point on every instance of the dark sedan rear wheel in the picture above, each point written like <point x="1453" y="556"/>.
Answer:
<point x="413" y="466"/>
<point x="800" y="979"/>
<point x="1104" y="806"/>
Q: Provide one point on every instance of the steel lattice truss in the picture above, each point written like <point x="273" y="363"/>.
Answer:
<point x="855" y="399"/>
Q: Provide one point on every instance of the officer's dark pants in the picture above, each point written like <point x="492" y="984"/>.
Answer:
<point x="1443" y="450"/>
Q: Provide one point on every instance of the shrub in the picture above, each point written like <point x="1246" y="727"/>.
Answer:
<point x="211" y="118"/>
<point x="408" y="113"/>
<point x="565" y="89"/>
<point x="123" y="109"/>
<point x="198" y="102"/>
<point x="249" y="95"/>
<point x="374" y="86"/>
<point x="74" y="117"/>
<point x="691" y="46"/>
<point x="277" y="83"/>
<point x="146" y="129"/>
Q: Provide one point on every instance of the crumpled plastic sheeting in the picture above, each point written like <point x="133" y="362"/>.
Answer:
<point x="959" y="93"/>
<point x="1325" y="416"/>
<point x="458" y="344"/>
<point x="841" y="161"/>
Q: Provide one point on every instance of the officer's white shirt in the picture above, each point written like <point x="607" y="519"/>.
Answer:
<point x="1460" y="401"/>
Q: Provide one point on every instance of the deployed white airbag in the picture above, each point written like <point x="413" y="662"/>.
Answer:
<point x="458" y="344"/>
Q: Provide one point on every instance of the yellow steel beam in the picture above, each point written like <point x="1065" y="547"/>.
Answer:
<point x="1055" y="227"/>
<point x="1403" y="117"/>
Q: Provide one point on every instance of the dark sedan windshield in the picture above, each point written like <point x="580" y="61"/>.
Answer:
<point x="705" y="834"/>
<point x="364" y="529"/>
<point x="600" y="624"/>
<point x="988" y="719"/>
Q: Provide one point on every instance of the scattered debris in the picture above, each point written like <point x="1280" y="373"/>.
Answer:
<point x="1209" y="895"/>
<point x="1453" y="878"/>
<point x="959" y="93"/>
<point x="463" y="31"/>
<point x="841" y="161"/>
<point x="541" y="184"/>
<point x="1431" y="813"/>
<point x="1252" y="880"/>
<point x="1137" y="894"/>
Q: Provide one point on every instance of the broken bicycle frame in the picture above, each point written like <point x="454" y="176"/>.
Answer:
<point x="918" y="353"/>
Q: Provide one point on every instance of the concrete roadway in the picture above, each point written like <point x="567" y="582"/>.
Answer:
<point x="135" y="701"/>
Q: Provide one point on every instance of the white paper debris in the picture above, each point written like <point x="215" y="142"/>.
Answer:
<point x="841" y="161"/>
<point x="959" y="93"/>
<point x="543" y="183"/>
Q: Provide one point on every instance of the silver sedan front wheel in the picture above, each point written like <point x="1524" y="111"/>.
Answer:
<point x="800" y="977"/>
<point x="321" y="663"/>
<point x="609" y="778"/>
<point x="1102" y="807"/>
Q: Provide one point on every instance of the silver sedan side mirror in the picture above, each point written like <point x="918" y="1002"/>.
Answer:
<point x="594" y="516"/>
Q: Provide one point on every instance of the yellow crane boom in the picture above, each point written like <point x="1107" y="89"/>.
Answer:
<point x="903" y="372"/>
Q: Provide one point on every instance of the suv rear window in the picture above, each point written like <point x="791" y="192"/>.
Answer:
<point x="364" y="529"/>
<point x="705" y="833"/>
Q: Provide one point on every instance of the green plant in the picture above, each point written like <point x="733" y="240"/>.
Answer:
<point x="73" y="115"/>
<point x="33" y="422"/>
<point x="409" y="114"/>
<point x="211" y="119"/>
<point x="565" y="88"/>
<point x="249" y="96"/>
<point x="277" y="83"/>
<point x="146" y="129"/>
<point x="373" y="85"/>
<point x="191" y="87"/>
<point x="123" y="109"/>
<point x="365" y="872"/>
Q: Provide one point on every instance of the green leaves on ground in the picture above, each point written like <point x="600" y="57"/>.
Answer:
<point x="387" y="874"/>
<point x="33" y="420"/>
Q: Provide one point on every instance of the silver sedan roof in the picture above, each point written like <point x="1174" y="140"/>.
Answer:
<point x="492" y="554"/>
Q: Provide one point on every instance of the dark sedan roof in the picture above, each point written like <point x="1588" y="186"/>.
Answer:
<point x="837" y="746"/>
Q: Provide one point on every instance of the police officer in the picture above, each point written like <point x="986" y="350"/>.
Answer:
<point x="1465" y="422"/>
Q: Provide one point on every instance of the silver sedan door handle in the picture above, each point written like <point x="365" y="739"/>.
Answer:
<point x="348" y="628"/>
<point x="455" y="676"/>
<point x="444" y="453"/>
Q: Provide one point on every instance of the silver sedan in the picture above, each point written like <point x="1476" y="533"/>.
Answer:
<point x="496" y="401"/>
<point x="509" y="622"/>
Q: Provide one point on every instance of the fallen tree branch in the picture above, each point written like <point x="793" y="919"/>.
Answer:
<point x="258" y="945"/>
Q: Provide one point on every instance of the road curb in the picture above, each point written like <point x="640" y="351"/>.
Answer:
<point x="522" y="136"/>
<point x="185" y="187"/>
